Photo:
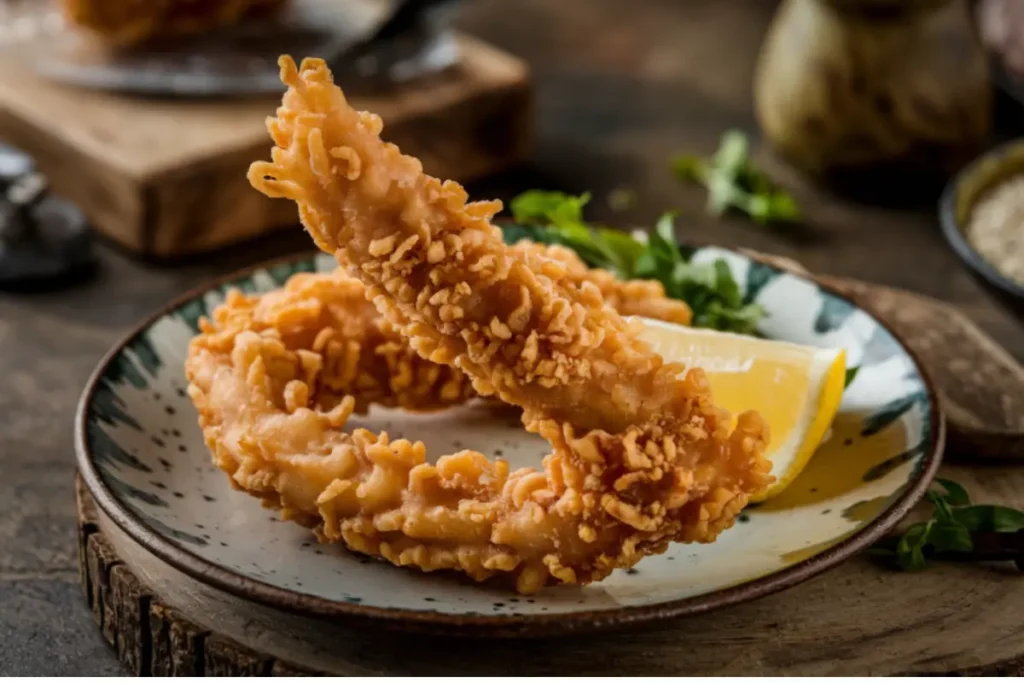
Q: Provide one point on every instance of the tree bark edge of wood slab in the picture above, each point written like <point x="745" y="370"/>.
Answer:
<point x="150" y="638"/>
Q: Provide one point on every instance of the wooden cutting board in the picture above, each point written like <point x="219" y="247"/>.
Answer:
<point x="166" y="178"/>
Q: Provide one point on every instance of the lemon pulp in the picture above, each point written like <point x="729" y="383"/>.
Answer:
<point x="796" y="389"/>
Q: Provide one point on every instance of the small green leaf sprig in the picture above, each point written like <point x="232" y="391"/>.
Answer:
<point x="734" y="182"/>
<point x="708" y="288"/>
<point x="952" y="529"/>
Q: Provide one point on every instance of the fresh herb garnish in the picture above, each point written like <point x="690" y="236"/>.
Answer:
<point x="851" y="373"/>
<point x="557" y="218"/>
<point x="733" y="182"/>
<point x="952" y="530"/>
<point x="708" y="288"/>
<point x="622" y="199"/>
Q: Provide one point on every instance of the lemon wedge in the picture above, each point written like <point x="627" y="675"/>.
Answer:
<point x="796" y="389"/>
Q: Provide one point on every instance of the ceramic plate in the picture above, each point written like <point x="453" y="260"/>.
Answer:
<point x="143" y="458"/>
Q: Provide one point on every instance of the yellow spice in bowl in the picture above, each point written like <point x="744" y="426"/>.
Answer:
<point x="996" y="227"/>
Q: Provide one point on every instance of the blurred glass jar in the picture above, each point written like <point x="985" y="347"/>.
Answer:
<point x="854" y="85"/>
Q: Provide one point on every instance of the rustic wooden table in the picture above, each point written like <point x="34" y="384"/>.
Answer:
<point x="620" y="85"/>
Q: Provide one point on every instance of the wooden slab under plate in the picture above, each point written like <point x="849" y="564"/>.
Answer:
<point x="857" y="619"/>
<point x="166" y="177"/>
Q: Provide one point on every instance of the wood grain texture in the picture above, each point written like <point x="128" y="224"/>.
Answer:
<point x="168" y="177"/>
<point x="857" y="619"/>
<point x="148" y="637"/>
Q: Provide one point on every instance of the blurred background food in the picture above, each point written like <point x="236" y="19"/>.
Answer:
<point x="126" y="22"/>
<point x="165" y="176"/>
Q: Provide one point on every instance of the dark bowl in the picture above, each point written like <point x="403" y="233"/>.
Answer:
<point x="960" y="197"/>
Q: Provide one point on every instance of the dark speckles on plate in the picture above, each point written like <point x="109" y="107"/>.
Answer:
<point x="170" y="410"/>
<point x="158" y="441"/>
<point x="208" y="499"/>
<point x="160" y="485"/>
<point x="178" y="494"/>
<point x="632" y="572"/>
<point x="165" y="463"/>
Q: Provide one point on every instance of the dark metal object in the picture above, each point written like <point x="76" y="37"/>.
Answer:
<point x="413" y="40"/>
<point x="44" y="241"/>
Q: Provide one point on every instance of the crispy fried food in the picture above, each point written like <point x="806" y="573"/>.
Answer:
<point x="320" y="330"/>
<point x="640" y="454"/>
<point x="128" y="22"/>
<point x="645" y="298"/>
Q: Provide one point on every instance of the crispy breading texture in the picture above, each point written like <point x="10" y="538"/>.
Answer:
<point x="640" y="454"/>
<point x="645" y="298"/>
<point x="129" y="22"/>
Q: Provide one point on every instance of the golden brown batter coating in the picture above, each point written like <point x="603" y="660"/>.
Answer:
<point x="645" y="298"/>
<point x="640" y="455"/>
<point x="128" y="22"/>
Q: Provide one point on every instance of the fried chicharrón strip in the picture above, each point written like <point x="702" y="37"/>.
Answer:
<point x="128" y="22"/>
<point x="640" y="454"/>
<point x="645" y="298"/>
<point x="317" y="331"/>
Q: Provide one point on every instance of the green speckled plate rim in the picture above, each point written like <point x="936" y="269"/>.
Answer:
<point x="436" y="623"/>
